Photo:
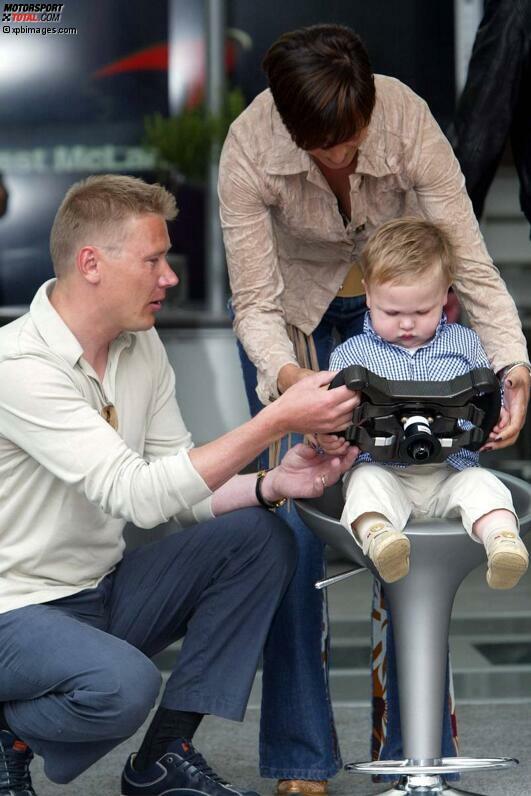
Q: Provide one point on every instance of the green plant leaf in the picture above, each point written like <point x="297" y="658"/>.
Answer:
<point x="184" y="142"/>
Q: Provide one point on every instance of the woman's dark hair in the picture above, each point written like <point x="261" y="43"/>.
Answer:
<point x="322" y="84"/>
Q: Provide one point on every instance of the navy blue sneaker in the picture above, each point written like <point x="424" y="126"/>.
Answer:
<point x="15" y="757"/>
<point x="181" y="770"/>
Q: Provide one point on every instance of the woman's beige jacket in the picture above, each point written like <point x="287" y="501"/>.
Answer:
<point x="288" y="249"/>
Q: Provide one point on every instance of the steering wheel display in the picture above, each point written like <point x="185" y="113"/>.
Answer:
<point x="420" y="422"/>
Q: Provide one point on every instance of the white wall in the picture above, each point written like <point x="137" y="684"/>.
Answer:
<point x="210" y="392"/>
<point x="209" y="383"/>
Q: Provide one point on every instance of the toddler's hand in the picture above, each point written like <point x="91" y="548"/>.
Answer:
<point x="332" y="443"/>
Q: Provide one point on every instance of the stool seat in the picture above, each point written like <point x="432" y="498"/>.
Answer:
<point x="442" y="554"/>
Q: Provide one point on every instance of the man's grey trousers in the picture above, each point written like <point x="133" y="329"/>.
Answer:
<point x="75" y="674"/>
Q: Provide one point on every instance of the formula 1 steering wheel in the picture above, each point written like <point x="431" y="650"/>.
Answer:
<point x="418" y="422"/>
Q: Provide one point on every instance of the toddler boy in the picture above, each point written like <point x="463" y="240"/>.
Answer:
<point x="407" y="268"/>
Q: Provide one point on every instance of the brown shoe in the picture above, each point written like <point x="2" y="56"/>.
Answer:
<point x="302" y="787"/>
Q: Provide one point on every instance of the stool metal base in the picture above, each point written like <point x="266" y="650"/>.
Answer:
<point x="425" y="778"/>
<point x="425" y="786"/>
<point x="430" y="768"/>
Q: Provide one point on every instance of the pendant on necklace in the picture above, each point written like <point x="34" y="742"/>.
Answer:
<point x="110" y="415"/>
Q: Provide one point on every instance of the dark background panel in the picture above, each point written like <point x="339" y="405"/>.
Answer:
<point x="412" y="40"/>
<point x="75" y="105"/>
<point x="56" y="78"/>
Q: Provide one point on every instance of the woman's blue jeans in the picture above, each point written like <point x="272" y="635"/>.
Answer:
<point x="297" y="733"/>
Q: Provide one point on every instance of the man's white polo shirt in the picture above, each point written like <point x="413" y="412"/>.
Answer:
<point x="68" y="480"/>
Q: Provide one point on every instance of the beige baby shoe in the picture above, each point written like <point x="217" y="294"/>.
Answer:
<point x="507" y="559"/>
<point x="388" y="550"/>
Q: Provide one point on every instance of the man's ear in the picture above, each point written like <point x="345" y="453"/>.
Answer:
<point x="88" y="264"/>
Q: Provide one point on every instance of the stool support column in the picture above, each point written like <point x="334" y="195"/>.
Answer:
<point x="421" y="608"/>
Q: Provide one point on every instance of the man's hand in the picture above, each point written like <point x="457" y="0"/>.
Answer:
<point x="306" y="408"/>
<point x="304" y="473"/>
<point x="516" y="389"/>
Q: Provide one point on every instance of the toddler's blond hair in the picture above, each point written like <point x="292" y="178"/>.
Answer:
<point x="402" y="250"/>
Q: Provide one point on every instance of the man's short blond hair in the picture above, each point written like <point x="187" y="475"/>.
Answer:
<point x="94" y="210"/>
<point x="403" y="250"/>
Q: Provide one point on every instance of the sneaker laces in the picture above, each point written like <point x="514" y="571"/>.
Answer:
<point x="196" y="759"/>
<point x="17" y="766"/>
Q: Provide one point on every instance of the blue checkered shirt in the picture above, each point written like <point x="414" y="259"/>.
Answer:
<point x="452" y="351"/>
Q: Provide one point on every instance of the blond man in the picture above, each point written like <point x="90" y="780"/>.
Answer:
<point x="91" y="436"/>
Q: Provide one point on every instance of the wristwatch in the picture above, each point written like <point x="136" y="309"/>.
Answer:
<point x="267" y="504"/>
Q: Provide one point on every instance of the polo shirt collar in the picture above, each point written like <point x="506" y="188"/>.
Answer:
<point x="54" y="330"/>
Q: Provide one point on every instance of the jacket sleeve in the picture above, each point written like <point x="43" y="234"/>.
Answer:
<point x="439" y="186"/>
<point x="492" y="91"/>
<point x="255" y="278"/>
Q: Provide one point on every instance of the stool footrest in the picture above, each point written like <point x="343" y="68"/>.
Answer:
<point x="445" y="765"/>
<point x="419" y="786"/>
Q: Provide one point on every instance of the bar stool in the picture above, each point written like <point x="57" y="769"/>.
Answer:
<point x="442" y="555"/>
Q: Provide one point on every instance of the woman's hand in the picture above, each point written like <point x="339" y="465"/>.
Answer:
<point x="289" y="375"/>
<point x="304" y="473"/>
<point x="516" y="388"/>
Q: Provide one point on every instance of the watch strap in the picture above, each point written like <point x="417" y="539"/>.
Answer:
<point x="267" y="504"/>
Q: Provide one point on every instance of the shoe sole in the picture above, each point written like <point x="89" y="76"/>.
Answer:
<point x="301" y="791"/>
<point x="392" y="561"/>
<point x="505" y="570"/>
<point x="182" y="791"/>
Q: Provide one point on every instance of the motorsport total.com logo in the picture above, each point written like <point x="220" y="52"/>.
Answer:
<point x="32" y="12"/>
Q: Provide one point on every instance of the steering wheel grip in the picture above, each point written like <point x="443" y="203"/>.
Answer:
<point x="341" y="379"/>
<point x="354" y="377"/>
<point x="338" y="380"/>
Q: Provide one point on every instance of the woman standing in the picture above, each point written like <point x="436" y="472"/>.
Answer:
<point x="308" y="171"/>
